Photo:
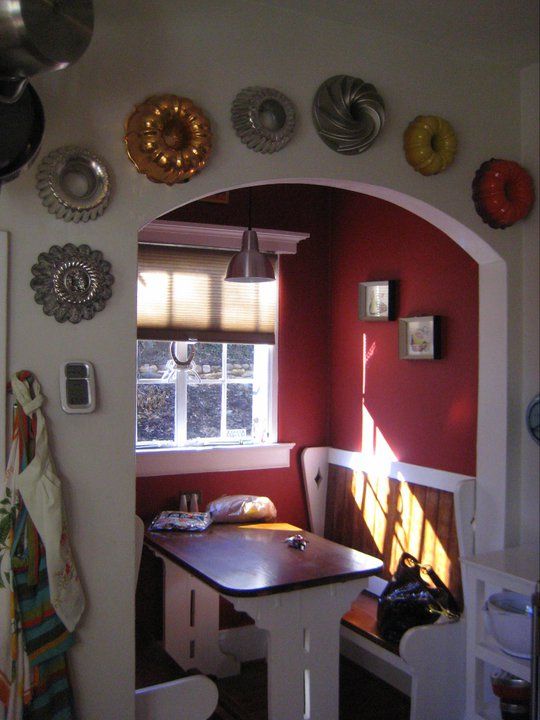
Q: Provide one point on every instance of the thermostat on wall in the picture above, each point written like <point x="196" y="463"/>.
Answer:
<point x="77" y="387"/>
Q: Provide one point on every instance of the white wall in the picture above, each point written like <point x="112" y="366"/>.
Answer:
<point x="209" y="51"/>
<point x="530" y="451"/>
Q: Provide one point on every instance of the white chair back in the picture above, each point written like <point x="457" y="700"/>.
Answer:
<point x="193" y="697"/>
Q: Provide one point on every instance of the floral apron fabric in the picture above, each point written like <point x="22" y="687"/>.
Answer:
<point x="41" y="599"/>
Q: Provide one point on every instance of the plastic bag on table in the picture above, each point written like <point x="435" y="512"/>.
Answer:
<point x="173" y="520"/>
<point x="241" y="508"/>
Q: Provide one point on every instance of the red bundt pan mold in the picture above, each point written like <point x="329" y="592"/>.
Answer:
<point x="503" y="193"/>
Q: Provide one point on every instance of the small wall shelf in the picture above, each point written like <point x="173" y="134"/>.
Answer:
<point x="510" y="569"/>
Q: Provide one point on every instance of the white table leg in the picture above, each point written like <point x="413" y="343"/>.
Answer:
<point x="191" y="624"/>
<point x="303" y="647"/>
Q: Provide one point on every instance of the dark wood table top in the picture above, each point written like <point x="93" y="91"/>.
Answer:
<point x="248" y="560"/>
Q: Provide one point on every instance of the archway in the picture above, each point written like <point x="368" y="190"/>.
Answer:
<point x="492" y="393"/>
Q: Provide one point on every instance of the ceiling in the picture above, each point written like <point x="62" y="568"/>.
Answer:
<point x="503" y="31"/>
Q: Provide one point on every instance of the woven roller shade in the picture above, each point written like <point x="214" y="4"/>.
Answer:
<point x="181" y="295"/>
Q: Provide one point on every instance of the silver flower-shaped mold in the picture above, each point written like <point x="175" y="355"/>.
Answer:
<point x="71" y="283"/>
<point x="74" y="184"/>
<point x="263" y="119"/>
<point x="348" y="114"/>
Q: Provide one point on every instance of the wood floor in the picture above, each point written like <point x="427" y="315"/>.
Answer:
<point x="243" y="697"/>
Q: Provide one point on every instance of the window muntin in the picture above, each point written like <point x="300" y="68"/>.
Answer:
<point x="224" y="398"/>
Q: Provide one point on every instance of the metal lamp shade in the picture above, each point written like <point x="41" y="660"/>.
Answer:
<point x="250" y="265"/>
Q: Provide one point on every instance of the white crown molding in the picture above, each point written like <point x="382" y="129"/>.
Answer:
<point x="224" y="237"/>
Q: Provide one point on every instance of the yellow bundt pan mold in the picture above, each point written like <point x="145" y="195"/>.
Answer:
<point x="430" y="144"/>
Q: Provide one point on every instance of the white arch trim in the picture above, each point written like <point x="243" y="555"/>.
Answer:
<point x="491" y="451"/>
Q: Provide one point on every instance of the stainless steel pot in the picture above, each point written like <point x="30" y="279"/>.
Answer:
<point x="38" y="36"/>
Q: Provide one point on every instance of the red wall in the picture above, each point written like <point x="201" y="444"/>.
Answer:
<point x="303" y="359"/>
<point x="425" y="410"/>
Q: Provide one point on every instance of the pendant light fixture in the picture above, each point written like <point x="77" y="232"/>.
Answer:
<point x="250" y="264"/>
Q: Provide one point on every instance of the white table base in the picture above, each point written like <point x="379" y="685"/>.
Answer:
<point x="191" y="623"/>
<point x="303" y="647"/>
<point x="303" y="629"/>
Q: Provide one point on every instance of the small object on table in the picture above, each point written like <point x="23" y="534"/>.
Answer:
<point x="298" y="542"/>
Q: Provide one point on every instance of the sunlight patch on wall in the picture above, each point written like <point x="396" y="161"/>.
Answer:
<point x="376" y="450"/>
<point x="392" y="513"/>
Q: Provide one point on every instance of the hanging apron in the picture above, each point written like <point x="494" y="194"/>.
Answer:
<point x="15" y="675"/>
<point x="38" y="579"/>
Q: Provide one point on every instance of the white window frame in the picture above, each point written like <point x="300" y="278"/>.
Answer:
<point x="168" y="460"/>
<point x="266" y="402"/>
<point x="177" y="460"/>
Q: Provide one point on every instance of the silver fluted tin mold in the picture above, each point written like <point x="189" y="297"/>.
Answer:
<point x="74" y="184"/>
<point x="263" y="119"/>
<point x="72" y="283"/>
<point x="348" y="114"/>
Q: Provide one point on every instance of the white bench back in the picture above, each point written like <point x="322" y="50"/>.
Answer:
<point x="315" y="461"/>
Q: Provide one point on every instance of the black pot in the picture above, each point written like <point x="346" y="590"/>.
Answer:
<point x="21" y="129"/>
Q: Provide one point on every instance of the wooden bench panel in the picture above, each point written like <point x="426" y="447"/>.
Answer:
<point x="426" y="511"/>
<point x="384" y="517"/>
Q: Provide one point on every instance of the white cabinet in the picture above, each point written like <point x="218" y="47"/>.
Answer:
<point x="514" y="569"/>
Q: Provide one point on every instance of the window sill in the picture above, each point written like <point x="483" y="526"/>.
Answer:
<point x="151" y="463"/>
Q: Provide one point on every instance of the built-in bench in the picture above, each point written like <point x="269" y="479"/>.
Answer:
<point x="384" y="509"/>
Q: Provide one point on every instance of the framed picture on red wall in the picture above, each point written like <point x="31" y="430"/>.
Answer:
<point x="420" y="338"/>
<point x="377" y="300"/>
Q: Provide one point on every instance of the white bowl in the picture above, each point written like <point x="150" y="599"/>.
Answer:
<point x="509" y="620"/>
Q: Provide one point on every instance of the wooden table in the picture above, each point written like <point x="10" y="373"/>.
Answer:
<point x="297" y="597"/>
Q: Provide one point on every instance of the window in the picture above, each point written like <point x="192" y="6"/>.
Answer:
<point x="222" y="397"/>
<point x="221" y="414"/>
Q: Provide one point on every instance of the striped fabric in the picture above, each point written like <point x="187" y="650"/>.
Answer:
<point x="52" y="698"/>
<point x="45" y="638"/>
<point x="44" y="634"/>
